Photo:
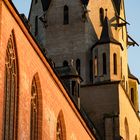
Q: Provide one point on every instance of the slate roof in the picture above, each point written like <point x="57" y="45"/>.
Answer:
<point x="117" y="4"/>
<point x="67" y="71"/>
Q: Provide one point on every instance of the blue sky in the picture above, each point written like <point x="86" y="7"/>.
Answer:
<point x="132" y="16"/>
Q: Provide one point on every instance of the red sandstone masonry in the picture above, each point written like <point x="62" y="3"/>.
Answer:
<point x="54" y="97"/>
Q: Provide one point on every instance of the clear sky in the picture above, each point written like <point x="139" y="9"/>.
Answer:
<point x="132" y="16"/>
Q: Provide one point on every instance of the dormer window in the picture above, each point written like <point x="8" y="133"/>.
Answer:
<point x="101" y="16"/>
<point x="66" y="15"/>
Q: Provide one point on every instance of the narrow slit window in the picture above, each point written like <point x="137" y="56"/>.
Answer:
<point x="36" y="25"/>
<point x="101" y="16"/>
<point x="95" y="66"/>
<point x="78" y="65"/>
<point x="91" y="70"/>
<point x="66" y="15"/>
<point x="115" y="63"/>
<point x="104" y="64"/>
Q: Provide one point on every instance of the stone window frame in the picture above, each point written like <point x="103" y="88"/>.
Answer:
<point x="36" y="25"/>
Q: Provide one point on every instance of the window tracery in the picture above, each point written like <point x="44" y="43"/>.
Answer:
<point x="11" y="91"/>
<point x="36" y="109"/>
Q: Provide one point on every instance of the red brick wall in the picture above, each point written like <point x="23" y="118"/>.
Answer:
<point x="54" y="97"/>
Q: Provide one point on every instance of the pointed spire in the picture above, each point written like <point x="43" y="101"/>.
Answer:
<point x="117" y="4"/>
<point x="106" y="35"/>
<point x="45" y="4"/>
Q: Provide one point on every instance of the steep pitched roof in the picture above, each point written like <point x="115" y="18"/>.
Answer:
<point x="106" y="35"/>
<point x="117" y="4"/>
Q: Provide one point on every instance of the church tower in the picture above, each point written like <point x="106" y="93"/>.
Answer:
<point x="94" y="35"/>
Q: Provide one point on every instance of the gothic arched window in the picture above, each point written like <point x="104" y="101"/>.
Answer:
<point x="104" y="64"/>
<point x="115" y="63"/>
<point x="101" y="16"/>
<point x="36" y="109"/>
<point x="11" y="91"/>
<point x="60" y="127"/>
<point x="95" y="66"/>
<point x="78" y="66"/>
<point x="66" y="15"/>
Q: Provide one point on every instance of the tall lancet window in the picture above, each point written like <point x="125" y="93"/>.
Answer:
<point x="11" y="91"/>
<point x="36" y="109"/>
<point x="104" y="64"/>
<point x="101" y="16"/>
<point x="115" y="63"/>
<point x="36" y="25"/>
<point x="60" y="127"/>
<point x="78" y="66"/>
<point x="95" y="66"/>
<point x="66" y="15"/>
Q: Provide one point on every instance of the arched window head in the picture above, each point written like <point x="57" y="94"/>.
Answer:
<point x="132" y="95"/>
<point x="95" y="66"/>
<point x="104" y="63"/>
<point x="101" y="16"/>
<point x="115" y="63"/>
<point x="126" y="129"/>
<point x="11" y="91"/>
<point x="66" y="15"/>
<point x="78" y="66"/>
<point x="36" y="109"/>
<point x="65" y="63"/>
<point x="60" y="127"/>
